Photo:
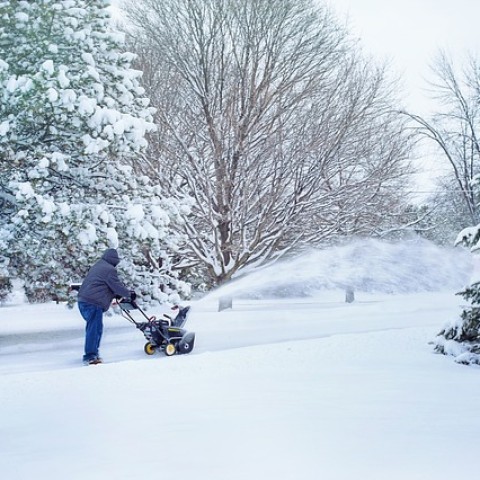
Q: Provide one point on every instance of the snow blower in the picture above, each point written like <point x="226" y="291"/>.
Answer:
<point x="166" y="334"/>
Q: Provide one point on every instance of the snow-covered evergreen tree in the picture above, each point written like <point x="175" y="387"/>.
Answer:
<point x="461" y="338"/>
<point x="72" y="119"/>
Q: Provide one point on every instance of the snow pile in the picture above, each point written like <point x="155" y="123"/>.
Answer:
<point x="362" y="396"/>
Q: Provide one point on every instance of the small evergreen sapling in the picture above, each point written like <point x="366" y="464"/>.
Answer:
<point x="461" y="338"/>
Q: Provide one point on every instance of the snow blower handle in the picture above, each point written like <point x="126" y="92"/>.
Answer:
<point x="133" y="296"/>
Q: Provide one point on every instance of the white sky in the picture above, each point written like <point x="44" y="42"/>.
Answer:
<point x="410" y="34"/>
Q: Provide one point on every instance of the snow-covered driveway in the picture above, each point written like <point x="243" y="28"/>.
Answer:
<point x="50" y="336"/>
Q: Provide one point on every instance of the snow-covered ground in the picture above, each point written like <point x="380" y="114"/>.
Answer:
<point x="312" y="388"/>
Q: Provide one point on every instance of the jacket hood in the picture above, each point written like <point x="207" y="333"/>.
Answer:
<point x="111" y="256"/>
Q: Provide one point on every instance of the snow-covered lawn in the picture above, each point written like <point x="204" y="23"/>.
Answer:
<point x="275" y="389"/>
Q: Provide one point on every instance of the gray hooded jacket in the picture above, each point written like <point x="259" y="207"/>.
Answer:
<point x="102" y="284"/>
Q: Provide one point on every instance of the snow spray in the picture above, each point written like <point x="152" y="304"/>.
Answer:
<point x="367" y="265"/>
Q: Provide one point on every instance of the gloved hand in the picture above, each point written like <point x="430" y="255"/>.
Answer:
<point x="133" y="296"/>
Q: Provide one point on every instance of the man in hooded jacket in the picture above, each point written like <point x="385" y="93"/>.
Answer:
<point x="95" y="295"/>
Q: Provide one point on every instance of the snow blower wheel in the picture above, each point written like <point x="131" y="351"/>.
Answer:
<point x="170" y="349"/>
<point x="149" y="348"/>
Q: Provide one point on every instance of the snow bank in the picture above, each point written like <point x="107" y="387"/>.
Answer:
<point x="370" y="405"/>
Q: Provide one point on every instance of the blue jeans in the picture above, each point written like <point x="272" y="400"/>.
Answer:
<point x="93" y="315"/>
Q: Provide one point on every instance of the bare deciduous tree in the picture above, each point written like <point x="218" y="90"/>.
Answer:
<point x="271" y="121"/>
<point x="455" y="128"/>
